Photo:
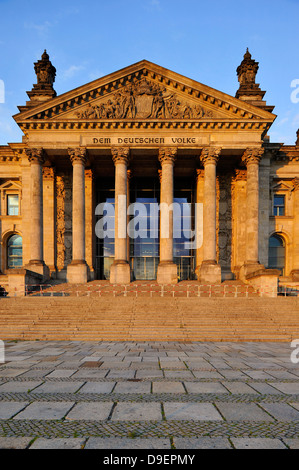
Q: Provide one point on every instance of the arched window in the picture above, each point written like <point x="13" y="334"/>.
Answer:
<point x="14" y="252"/>
<point x="277" y="253"/>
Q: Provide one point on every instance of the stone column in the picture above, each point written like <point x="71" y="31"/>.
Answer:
<point x="167" y="269"/>
<point x="210" y="271"/>
<point x="90" y="240"/>
<point x="251" y="158"/>
<point x="77" y="272"/>
<point x="120" y="269"/>
<point x="49" y="218"/>
<point x="295" y="271"/>
<point x="36" y="263"/>
<point x="199" y="198"/>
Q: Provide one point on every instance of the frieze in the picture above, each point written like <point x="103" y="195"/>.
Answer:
<point x="144" y="99"/>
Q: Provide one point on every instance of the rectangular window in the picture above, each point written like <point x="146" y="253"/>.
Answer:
<point x="279" y="205"/>
<point x="12" y="204"/>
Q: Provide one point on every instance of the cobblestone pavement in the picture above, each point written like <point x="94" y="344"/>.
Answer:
<point x="124" y="395"/>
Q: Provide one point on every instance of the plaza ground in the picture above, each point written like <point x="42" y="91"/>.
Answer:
<point x="148" y="395"/>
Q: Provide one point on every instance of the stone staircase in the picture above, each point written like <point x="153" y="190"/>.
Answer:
<point x="128" y="318"/>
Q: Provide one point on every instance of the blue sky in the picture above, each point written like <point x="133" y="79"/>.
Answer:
<point x="203" y="40"/>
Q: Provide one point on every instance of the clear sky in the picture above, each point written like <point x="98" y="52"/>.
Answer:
<point x="203" y="40"/>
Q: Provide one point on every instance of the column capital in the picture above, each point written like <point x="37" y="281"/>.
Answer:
<point x="78" y="155"/>
<point x="35" y="155"/>
<point x="210" y="155"/>
<point x="252" y="155"/>
<point x="167" y="154"/>
<point x="120" y="155"/>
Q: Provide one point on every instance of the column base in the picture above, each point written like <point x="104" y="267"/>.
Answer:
<point x="250" y="268"/>
<point x="77" y="272"/>
<point x="295" y="275"/>
<point x="39" y="267"/>
<point x="210" y="272"/>
<point x="120" y="272"/>
<point x="167" y="273"/>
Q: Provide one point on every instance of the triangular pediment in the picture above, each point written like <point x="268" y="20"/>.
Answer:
<point x="11" y="186"/>
<point x="144" y="92"/>
<point x="281" y="186"/>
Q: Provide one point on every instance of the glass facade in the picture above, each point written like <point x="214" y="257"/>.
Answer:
<point x="144" y="228"/>
<point x="14" y="252"/>
<point x="104" y="220"/>
<point x="277" y="253"/>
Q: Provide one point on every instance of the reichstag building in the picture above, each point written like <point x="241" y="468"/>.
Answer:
<point x="145" y="135"/>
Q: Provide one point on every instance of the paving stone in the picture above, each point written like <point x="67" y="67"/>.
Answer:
<point x="258" y="374"/>
<point x="9" y="409"/>
<point x="137" y="412"/>
<point x="288" y="388"/>
<point x="14" y="442"/>
<point x="58" y="443"/>
<point x="205" y="374"/>
<point x="59" y="387"/>
<point x="123" y="443"/>
<point x="95" y="411"/>
<point x="178" y="374"/>
<point x="238" y="387"/>
<point x="140" y="374"/>
<point x="205" y="387"/>
<point x="291" y="443"/>
<point x="118" y="374"/>
<point x="97" y="387"/>
<point x="19" y="387"/>
<point x="173" y="365"/>
<point x="90" y="374"/>
<point x="133" y="387"/>
<point x="233" y="374"/>
<point x="11" y="372"/>
<point x="63" y="373"/>
<point x="281" y="411"/>
<point x="47" y="410"/>
<point x="257" y="443"/>
<point x="202" y="443"/>
<point x="191" y="411"/>
<point x="264" y="388"/>
<point x="295" y="405"/>
<point x="242" y="412"/>
<point x="168" y="387"/>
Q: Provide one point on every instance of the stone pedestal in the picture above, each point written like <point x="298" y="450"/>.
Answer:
<point x="120" y="272"/>
<point x="167" y="272"/>
<point x="77" y="272"/>
<point x="210" y="273"/>
<point x="265" y="283"/>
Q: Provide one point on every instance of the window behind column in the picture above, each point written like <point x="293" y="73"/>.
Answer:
<point x="14" y="252"/>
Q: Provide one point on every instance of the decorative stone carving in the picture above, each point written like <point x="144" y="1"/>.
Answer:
<point x="144" y="99"/>
<point x="167" y="154"/>
<point x="45" y="73"/>
<point x="210" y="155"/>
<point x="120" y="155"/>
<point x="252" y="155"/>
<point x="48" y="173"/>
<point x="200" y="174"/>
<point x="295" y="182"/>
<point x="63" y="220"/>
<point x="240" y="175"/>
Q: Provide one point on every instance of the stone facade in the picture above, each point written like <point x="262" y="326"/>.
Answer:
<point x="146" y="123"/>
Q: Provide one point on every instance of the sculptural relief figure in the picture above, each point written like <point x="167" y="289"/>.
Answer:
<point x="143" y="100"/>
